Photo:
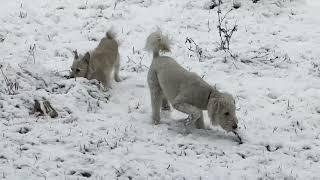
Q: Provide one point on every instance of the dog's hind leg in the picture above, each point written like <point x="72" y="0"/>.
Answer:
<point x="156" y="95"/>
<point x="104" y="78"/>
<point x="165" y="104"/>
<point x="116" y="69"/>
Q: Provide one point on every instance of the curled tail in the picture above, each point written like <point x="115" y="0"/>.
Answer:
<point x="110" y="34"/>
<point x="157" y="42"/>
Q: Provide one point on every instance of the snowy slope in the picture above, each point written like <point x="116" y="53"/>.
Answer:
<point x="109" y="135"/>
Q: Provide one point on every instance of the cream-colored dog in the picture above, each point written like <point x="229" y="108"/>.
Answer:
<point x="99" y="63"/>
<point x="186" y="91"/>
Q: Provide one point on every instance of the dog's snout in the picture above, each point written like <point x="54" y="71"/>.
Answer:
<point x="234" y="126"/>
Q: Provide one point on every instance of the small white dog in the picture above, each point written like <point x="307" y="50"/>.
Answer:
<point x="98" y="64"/>
<point x="186" y="91"/>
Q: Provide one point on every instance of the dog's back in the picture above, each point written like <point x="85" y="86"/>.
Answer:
<point x="104" y="58"/>
<point x="106" y="53"/>
<point x="108" y="45"/>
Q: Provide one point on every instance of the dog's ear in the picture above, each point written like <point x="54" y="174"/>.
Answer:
<point x="216" y="104"/>
<point x="213" y="107"/>
<point x="75" y="52"/>
<point x="86" y="57"/>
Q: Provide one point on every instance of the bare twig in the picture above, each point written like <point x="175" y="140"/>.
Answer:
<point x="33" y="76"/>
<point x="37" y="108"/>
<point x="76" y="56"/>
<point x="21" y="13"/>
<point x="115" y="4"/>
<point x="32" y="51"/>
<point x="194" y="47"/>
<point x="209" y="29"/>
<point x="2" y="38"/>
<point x="238" y="136"/>
<point x="49" y="109"/>
<point x="224" y="17"/>
<point x="45" y="108"/>
<point x="11" y="86"/>
<point x="138" y="67"/>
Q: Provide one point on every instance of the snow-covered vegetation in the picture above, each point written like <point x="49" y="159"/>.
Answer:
<point x="271" y="66"/>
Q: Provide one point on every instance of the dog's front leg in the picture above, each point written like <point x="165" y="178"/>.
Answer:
<point x="156" y="96"/>
<point x="116" y="69"/>
<point x="104" y="77"/>
<point x="194" y="113"/>
<point x="165" y="104"/>
<point x="200" y="122"/>
<point x="155" y="103"/>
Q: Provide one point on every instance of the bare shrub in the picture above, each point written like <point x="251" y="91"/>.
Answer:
<point x="225" y="30"/>
<point x="134" y="66"/>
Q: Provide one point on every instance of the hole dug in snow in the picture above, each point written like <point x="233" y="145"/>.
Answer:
<point x="243" y="156"/>
<point x="59" y="159"/>
<point x="44" y="107"/>
<point x="24" y="148"/>
<point x="272" y="148"/>
<point x="24" y="130"/>
<point x="3" y="159"/>
<point x="82" y="173"/>
<point x="85" y="174"/>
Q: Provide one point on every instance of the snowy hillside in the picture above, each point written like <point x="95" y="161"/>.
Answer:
<point x="274" y="75"/>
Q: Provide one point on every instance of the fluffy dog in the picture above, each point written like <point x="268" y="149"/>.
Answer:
<point x="186" y="91"/>
<point x="98" y="64"/>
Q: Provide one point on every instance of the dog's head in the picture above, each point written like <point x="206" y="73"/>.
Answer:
<point x="80" y="65"/>
<point x="222" y="111"/>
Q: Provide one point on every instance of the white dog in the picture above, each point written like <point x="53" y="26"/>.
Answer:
<point x="99" y="63"/>
<point x="186" y="91"/>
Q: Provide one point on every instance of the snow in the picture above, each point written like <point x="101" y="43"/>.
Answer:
<point x="109" y="135"/>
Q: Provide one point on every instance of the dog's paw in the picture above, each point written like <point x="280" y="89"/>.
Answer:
<point x="118" y="79"/>
<point x="104" y="88"/>
<point x="156" y="121"/>
<point x="185" y="131"/>
<point x="122" y="78"/>
<point x="67" y="76"/>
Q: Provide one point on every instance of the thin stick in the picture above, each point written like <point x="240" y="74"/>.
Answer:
<point x="238" y="136"/>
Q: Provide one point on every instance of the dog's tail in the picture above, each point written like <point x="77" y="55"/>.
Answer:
<point x="111" y="34"/>
<point x="157" y="42"/>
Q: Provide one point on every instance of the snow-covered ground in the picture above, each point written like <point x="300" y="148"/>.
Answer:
<point x="108" y="135"/>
